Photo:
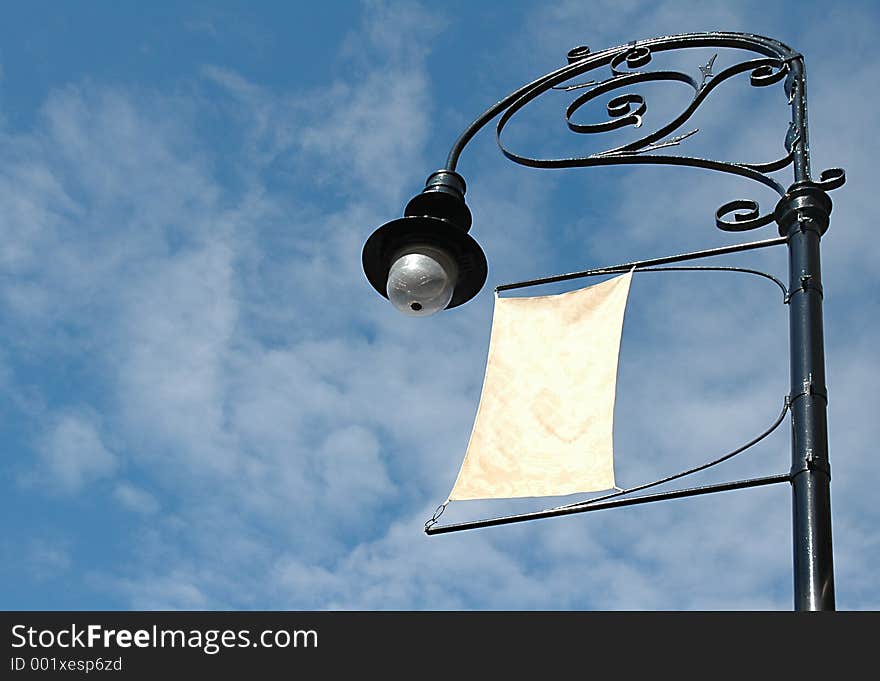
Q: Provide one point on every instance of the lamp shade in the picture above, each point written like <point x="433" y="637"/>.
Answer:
<point x="428" y="253"/>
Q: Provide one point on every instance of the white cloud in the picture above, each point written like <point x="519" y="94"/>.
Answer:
<point x="73" y="454"/>
<point x="135" y="499"/>
<point x="165" y="592"/>
<point x="48" y="560"/>
<point x="179" y="318"/>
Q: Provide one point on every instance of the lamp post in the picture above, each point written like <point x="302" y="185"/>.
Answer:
<point x="427" y="261"/>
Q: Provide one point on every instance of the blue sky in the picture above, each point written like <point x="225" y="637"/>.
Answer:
<point x="205" y="406"/>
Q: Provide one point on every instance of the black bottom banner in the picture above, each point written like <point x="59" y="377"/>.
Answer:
<point x="405" y="644"/>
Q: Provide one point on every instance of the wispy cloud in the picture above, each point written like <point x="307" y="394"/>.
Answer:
<point x="72" y="455"/>
<point x="135" y="499"/>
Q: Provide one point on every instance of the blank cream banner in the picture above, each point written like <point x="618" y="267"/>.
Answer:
<point x="546" y="415"/>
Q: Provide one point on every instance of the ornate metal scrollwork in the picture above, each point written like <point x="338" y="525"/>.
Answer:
<point x="775" y="62"/>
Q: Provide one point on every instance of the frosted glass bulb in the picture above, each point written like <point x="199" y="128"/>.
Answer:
<point x="421" y="280"/>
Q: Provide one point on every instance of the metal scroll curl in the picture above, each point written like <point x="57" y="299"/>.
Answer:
<point x="628" y="108"/>
<point x="745" y="215"/>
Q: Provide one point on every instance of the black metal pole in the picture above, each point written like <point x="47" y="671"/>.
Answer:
<point x="803" y="217"/>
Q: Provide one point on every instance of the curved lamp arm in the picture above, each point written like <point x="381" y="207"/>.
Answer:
<point x="438" y="218"/>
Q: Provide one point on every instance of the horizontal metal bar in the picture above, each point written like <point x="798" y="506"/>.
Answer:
<point x="723" y="268"/>
<point x="587" y="506"/>
<point x="626" y="267"/>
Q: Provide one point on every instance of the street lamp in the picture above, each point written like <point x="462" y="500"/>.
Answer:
<point x="427" y="261"/>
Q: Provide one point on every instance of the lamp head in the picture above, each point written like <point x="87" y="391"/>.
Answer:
<point x="426" y="261"/>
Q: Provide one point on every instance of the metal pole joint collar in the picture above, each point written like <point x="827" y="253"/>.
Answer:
<point x="811" y="463"/>
<point x="805" y="206"/>
<point x="810" y="388"/>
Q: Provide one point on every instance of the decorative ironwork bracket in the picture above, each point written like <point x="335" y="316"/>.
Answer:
<point x="775" y="62"/>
